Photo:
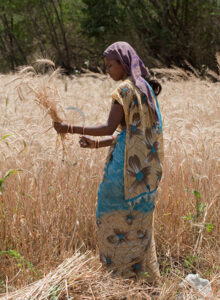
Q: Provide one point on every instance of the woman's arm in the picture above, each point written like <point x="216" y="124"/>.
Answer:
<point x="89" y="142"/>
<point x="114" y="119"/>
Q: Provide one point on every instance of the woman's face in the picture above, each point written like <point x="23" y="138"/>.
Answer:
<point x="115" y="69"/>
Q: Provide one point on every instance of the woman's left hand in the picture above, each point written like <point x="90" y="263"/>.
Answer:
<point x="86" y="142"/>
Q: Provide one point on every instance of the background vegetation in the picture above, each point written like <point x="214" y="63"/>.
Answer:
<point x="75" y="33"/>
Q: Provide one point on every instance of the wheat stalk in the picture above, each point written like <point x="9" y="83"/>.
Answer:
<point x="44" y="61"/>
<point x="42" y="91"/>
<point x="27" y="69"/>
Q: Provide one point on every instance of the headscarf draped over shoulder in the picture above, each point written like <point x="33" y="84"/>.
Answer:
<point x="144" y="139"/>
<point x="135" y="67"/>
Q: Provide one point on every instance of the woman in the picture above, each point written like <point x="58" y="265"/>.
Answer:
<point x="133" y="169"/>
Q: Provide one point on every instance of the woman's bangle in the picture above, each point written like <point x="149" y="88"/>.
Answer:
<point x="70" y="128"/>
<point x="97" y="143"/>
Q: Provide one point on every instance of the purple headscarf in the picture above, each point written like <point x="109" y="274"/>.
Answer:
<point x="134" y="66"/>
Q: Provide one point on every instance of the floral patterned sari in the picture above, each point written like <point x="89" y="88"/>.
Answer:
<point x="126" y="196"/>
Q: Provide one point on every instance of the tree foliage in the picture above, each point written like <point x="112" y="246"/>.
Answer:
<point x="72" y="32"/>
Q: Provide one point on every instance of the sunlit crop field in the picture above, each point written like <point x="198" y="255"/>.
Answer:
<point x="47" y="210"/>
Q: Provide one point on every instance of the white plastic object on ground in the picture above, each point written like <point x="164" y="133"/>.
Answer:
<point x="201" y="284"/>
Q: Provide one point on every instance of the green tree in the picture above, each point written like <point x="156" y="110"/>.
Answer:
<point x="39" y="28"/>
<point x="72" y="32"/>
<point x="13" y="40"/>
<point x="171" y="30"/>
<point x="177" y="30"/>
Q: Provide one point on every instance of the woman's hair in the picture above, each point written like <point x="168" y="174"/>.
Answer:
<point x="156" y="86"/>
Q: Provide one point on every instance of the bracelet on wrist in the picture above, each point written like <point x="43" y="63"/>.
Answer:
<point x="97" y="143"/>
<point x="70" y="128"/>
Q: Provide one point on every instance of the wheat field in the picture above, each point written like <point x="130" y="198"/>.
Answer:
<point x="48" y="245"/>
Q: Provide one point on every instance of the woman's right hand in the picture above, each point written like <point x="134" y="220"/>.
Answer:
<point x="87" y="142"/>
<point x="61" y="127"/>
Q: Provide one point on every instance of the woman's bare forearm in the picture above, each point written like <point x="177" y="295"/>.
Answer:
<point x="105" y="142"/>
<point x="99" y="130"/>
<point x="114" y="119"/>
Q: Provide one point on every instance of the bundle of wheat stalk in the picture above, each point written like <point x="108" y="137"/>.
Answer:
<point x="42" y="89"/>
<point x="79" y="276"/>
<point x="82" y="277"/>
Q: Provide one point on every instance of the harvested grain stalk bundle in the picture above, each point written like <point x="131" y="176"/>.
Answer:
<point x="42" y="89"/>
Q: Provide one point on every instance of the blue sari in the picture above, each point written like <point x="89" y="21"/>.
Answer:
<point x="111" y="190"/>
<point x="125" y="234"/>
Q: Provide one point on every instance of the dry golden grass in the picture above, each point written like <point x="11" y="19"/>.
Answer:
<point x="47" y="211"/>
